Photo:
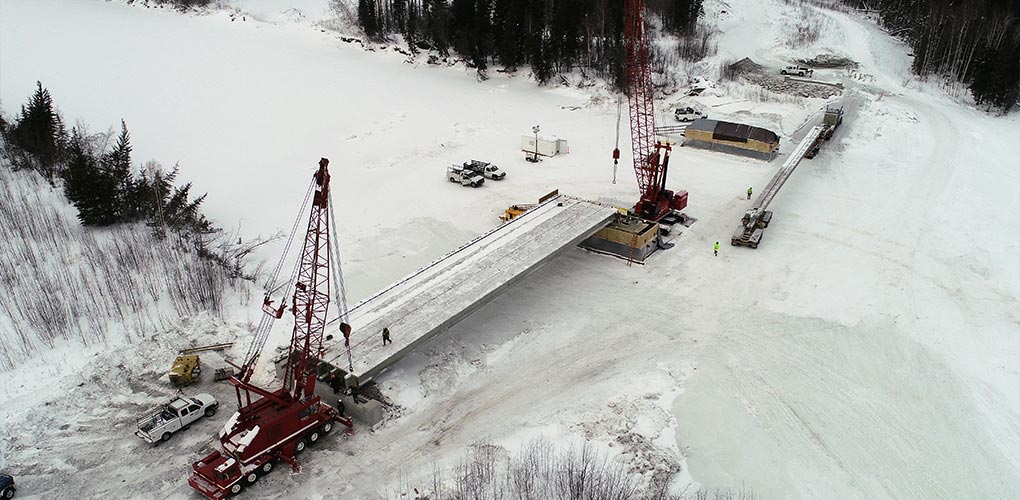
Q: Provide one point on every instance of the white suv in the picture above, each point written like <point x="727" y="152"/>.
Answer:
<point x="688" y="114"/>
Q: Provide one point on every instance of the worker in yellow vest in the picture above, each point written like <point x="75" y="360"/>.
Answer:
<point x="749" y="193"/>
<point x="717" y="249"/>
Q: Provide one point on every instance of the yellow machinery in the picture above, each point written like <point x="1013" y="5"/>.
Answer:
<point x="515" y="210"/>
<point x="186" y="370"/>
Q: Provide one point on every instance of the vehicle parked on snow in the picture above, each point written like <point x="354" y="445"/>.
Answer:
<point x="797" y="70"/>
<point x="688" y="114"/>
<point x="7" y="486"/>
<point x="180" y="412"/>
<point x="465" y="176"/>
<point x="486" y="169"/>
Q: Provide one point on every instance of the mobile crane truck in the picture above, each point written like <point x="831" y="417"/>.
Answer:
<point x="277" y="425"/>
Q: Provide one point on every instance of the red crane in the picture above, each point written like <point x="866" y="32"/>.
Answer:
<point x="651" y="157"/>
<point x="279" y="424"/>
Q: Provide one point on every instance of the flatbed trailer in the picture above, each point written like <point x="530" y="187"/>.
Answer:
<point x="753" y="223"/>
<point x="830" y="122"/>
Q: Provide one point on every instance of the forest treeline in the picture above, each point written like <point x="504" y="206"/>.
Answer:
<point x="550" y="36"/>
<point x="974" y="41"/>
<point x="98" y="178"/>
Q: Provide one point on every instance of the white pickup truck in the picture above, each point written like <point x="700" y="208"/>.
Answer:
<point x="486" y="169"/>
<point x="797" y="70"/>
<point x="465" y="176"/>
<point x="180" y="412"/>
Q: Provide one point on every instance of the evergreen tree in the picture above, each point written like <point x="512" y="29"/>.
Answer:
<point x="116" y="164"/>
<point x="482" y="47"/>
<point x="540" y="63"/>
<point x="439" y="26"/>
<point x="182" y="214"/>
<point x="507" y="33"/>
<point x="367" y="18"/>
<point x="399" y="16"/>
<point x="87" y="186"/>
<point x="463" y="26"/>
<point x="167" y="207"/>
<point x="40" y="133"/>
<point x="413" y="30"/>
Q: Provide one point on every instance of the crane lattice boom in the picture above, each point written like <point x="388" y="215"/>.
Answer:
<point x="311" y="293"/>
<point x="651" y="157"/>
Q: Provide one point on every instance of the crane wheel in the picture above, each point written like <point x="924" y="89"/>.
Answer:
<point x="236" y="488"/>
<point x="313" y="437"/>
<point x="266" y="467"/>
<point x="300" y="446"/>
<point x="326" y="427"/>
<point x="251" y="478"/>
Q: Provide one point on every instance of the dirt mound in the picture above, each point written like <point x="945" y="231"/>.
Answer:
<point x="743" y="66"/>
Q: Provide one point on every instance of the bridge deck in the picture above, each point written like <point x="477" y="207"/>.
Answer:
<point x="441" y="294"/>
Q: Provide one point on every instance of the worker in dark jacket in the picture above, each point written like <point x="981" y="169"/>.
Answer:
<point x="386" y="336"/>
<point x="749" y="193"/>
<point x="334" y="382"/>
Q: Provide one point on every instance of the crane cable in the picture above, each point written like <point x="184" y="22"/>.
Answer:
<point x="339" y="289"/>
<point x="265" y="325"/>
<point x="616" y="150"/>
<point x="271" y="284"/>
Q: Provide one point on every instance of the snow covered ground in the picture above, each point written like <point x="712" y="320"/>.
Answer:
<point x="868" y="348"/>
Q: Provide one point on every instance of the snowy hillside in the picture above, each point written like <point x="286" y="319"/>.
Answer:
<point x="868" y="349"/>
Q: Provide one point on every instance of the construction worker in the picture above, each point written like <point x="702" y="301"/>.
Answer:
<point x="386" y="336"/>
<point x="334" y="382"/>
<point x="717" y="249"/>
<point x="749" y="193"/>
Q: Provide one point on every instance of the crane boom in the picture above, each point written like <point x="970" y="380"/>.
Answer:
<point x="651" y="157"/>
<point x="311" y="293"/>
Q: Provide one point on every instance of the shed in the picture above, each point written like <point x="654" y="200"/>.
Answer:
<point x="547" y="146"/>
<point x="734" y="138"/>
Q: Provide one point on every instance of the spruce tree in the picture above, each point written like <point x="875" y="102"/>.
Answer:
<point x="116" y="164"/>
<point x="367" y="18"/>
<point x="399" y="16"/>
<point x="87" y="186"/>
<point x="411" y="33"/>
<point x="40" y="132"/>
<point x="439" y="26"/>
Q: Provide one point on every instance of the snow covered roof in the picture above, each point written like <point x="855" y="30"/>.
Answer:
<point x="735" y="132"/>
